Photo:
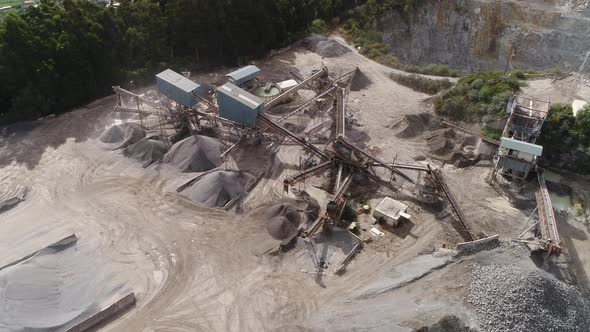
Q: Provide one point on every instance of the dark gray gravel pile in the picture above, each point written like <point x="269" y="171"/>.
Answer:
<point x="514" y="298"/>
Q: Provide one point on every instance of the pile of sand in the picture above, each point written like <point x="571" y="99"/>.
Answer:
<point x="410" y="125"/>
<point x="54" y="289"/>
<point x="360" y="81"/>
<point x="324" y="46"/>
<point x="148" y="151"/>
<point x="441" y="141"/>
<point x="123" y="135"/>
<point x="195" y="154"/>
<point x="219" y="189"/>
<point x="11" y="194"/>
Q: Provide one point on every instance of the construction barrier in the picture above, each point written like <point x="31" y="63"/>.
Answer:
<point x="123" y="304"/>
<point x="477" y="245"/>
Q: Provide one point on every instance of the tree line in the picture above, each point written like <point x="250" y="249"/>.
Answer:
<point x="61" y="54"/>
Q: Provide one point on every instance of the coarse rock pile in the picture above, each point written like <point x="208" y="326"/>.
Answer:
<point x="123" y="135"/>
<point x="219" y="188"/>
<point x="148" y="151"/>
<point x="324" y="46"/>
<point x="410" y="125"/>
<point x="515" y="298"/>
<point x="360" y="81"/>
<point x="441" y="141"/>
<point x="282" y="221"/>
<point x="195" y="154"/>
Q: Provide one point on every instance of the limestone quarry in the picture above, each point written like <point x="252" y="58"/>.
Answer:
<point x="481" y="34"/>
<point x="157" y="209"/>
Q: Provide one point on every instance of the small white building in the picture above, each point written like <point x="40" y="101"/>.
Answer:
<point x="391" y="211"/>
<point x="578" y="105"/>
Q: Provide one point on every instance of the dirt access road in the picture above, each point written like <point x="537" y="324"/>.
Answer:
<point x="195" y="268"/>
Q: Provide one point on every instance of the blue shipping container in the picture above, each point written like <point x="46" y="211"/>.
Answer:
<point x="238" y="105"/>
<point x="243" y="75"/>
<point x="179" y="88"/>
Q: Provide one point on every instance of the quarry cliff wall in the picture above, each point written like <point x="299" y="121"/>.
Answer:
<point x="481" y="34"/>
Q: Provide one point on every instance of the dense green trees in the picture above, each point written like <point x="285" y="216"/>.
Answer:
<point x="61" y="54"/>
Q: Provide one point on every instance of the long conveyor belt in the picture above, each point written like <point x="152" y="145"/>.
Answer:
<point x="274" y="102"/>
<point x="437" y="174"/>
<point x="547" y="219"/>
<point x="308" y="173"/>
<point x="284" y="131"/>
<point x="349" y="145"/>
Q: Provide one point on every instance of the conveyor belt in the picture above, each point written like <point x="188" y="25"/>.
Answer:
<point x="489" y="140"/>
<point x="437" y="174"/>
<point x="284" y="131"/>
<point x="307" y="103"/>
<point x="340" y="113"/>
<point x="349" y="145"/>
<point x="549" y="231"/>
<point x="274" y="102"/>
<point x="405" y="166"/>
<point x="308" y="173"/>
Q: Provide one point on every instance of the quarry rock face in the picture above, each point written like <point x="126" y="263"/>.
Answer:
<point x="481" y="34"/>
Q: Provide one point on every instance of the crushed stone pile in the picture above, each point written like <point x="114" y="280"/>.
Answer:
<point x="123" y="135"/>
<point x="147" y="151"/>
<point x="324" y="46"/>
<point x="515" y="298"/>
<point x="282" y="221"/>
<point x="410" y="125"/>
<point x="195" y="154"/>
<point x="441" y="141"/>
<point x="219" y="188"/>
<point x="360" y="81"/>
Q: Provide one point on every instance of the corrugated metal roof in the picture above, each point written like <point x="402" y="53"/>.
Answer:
<point x="178" y="80"/>
<point x="240" y="95"/>
<point x="244" y="72"/>
<point x="521" y="146"/>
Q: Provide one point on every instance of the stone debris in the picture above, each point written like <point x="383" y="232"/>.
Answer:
<point x="515" y="298"/>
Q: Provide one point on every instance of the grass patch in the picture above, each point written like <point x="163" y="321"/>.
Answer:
<point x="492" y="133"/>
<point x="478" y="96"/>
<point x="422" y="84"/>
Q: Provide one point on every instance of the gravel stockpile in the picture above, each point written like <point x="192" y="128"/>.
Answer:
<point x="324" y="46"/>
<point x="283" y="221"/>
<point x="441" y="141"/>
<point x="148" y="151"/>
<point x="360" y="81"/>
<point x="219" y="188"/>
<point x="410" y="125"/>
<point x="123" y="135"/>
<point x="514" y="298"/>
<point x="195" y="154"/>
